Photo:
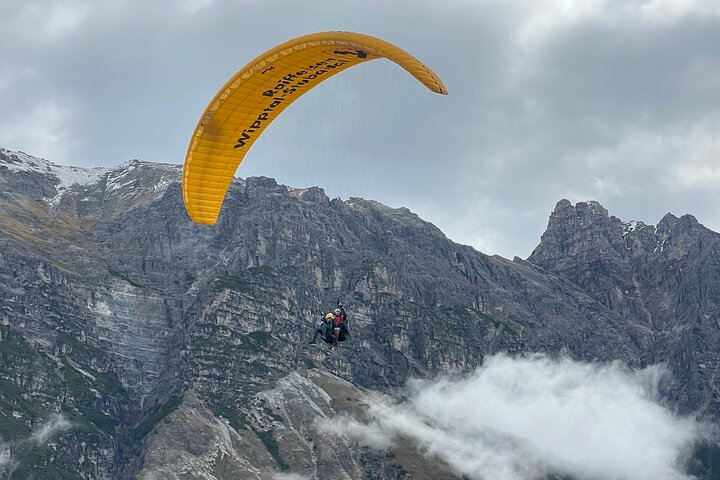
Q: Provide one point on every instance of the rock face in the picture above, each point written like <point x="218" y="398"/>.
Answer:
<point x="664" y="281"/>
<point x="175" y="350"/>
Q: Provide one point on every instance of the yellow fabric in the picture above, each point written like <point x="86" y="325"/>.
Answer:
<point x="259" y="92"/>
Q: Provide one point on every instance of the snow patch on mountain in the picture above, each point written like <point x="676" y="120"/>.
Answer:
<point x="113" y="180"/>
<point x="632" y="226"/>
<point x="67" y="176"/>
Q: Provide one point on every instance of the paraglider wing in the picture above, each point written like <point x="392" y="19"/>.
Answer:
<point x="257" y="94"/>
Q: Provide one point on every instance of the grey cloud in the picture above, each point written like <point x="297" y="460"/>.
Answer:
<point x="585" y="100"/>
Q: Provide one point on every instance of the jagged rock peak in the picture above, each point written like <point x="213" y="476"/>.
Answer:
<point x="312" y="194"/>
<point x="570" y="227"/>
<point x="585" y="214"/>
<point x="587" y="229"/>
<point x="582" y="211"/>
<point x="252" y="183"/>
<point x="593" y="208"/>
<point x="684" y="223"/>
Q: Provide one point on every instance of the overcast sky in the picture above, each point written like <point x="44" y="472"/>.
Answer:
<point x="610" y="100"/>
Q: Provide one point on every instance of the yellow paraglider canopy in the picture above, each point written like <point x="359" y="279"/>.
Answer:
<point x="259" y="92"/>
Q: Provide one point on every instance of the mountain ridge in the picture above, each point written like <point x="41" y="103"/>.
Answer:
<point x="136" y="317"/>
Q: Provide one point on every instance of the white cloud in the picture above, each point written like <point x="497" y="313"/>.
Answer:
<point x="678" y="157"/>
<point x="55" y="424"/>
<point x="5" y="456"/>
<point x="48" y="21"/>
<point x="664" y="11"/>
<point x="194" y="6"/>
<point x="702" y="175"/>
<point x="542" y="19"/>
<point x="343" y="425"/>
<point x="47" y="127"/>
<point x="42" y="433"/>
<point x="10" y="77"/>
<point x="516" y="418"/>
<point x="290" y="476"/>
<point x="63" y="18"/>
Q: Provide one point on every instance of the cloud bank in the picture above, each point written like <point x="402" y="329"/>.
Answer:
<point x="520" y="418"/>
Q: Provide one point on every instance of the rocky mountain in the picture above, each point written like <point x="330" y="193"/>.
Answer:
<point x="663" y="280"/>
<point x="151" y="347"/>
